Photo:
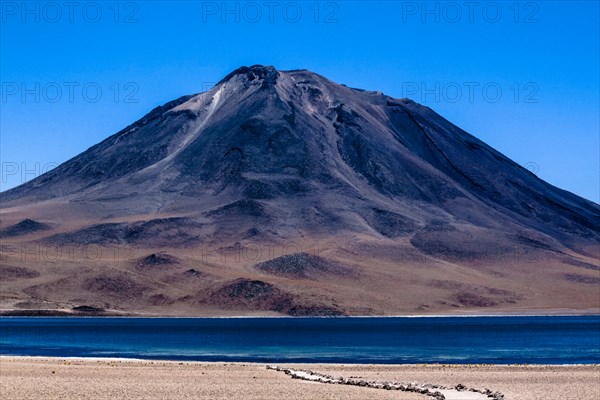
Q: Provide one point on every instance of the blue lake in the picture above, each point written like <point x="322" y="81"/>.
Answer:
<point x="498" y="340"/>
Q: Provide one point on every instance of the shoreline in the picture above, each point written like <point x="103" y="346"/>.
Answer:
<point x="113" y="314"/>
<point x="155" y="360"/>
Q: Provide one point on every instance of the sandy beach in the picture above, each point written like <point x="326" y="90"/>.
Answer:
<point x="24" y="378"/>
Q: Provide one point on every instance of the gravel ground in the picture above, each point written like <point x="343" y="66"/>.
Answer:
<point x="54" y="378"/>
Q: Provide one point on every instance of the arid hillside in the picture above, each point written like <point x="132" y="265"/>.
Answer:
<point x="282" y="192"/>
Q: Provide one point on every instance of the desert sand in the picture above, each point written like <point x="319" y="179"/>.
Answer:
<point x="24" y="378"/>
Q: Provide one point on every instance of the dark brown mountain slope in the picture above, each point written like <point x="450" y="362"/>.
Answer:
<point x="269" y="164"/>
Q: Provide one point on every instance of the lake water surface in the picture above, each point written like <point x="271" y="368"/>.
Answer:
<point x="498" y="340"/>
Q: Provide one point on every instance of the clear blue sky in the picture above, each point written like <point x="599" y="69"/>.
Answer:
<point x="543" y="57"/>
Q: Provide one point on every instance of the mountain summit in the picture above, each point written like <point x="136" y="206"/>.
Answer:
<point x="290" y="158"/>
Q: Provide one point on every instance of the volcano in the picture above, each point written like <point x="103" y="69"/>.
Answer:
<point x="282" y="192"/>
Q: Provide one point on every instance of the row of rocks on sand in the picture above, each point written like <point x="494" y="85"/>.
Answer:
<point x="426" y="389"/>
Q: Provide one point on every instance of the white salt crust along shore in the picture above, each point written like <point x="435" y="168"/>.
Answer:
<point x="438" y="392"/>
